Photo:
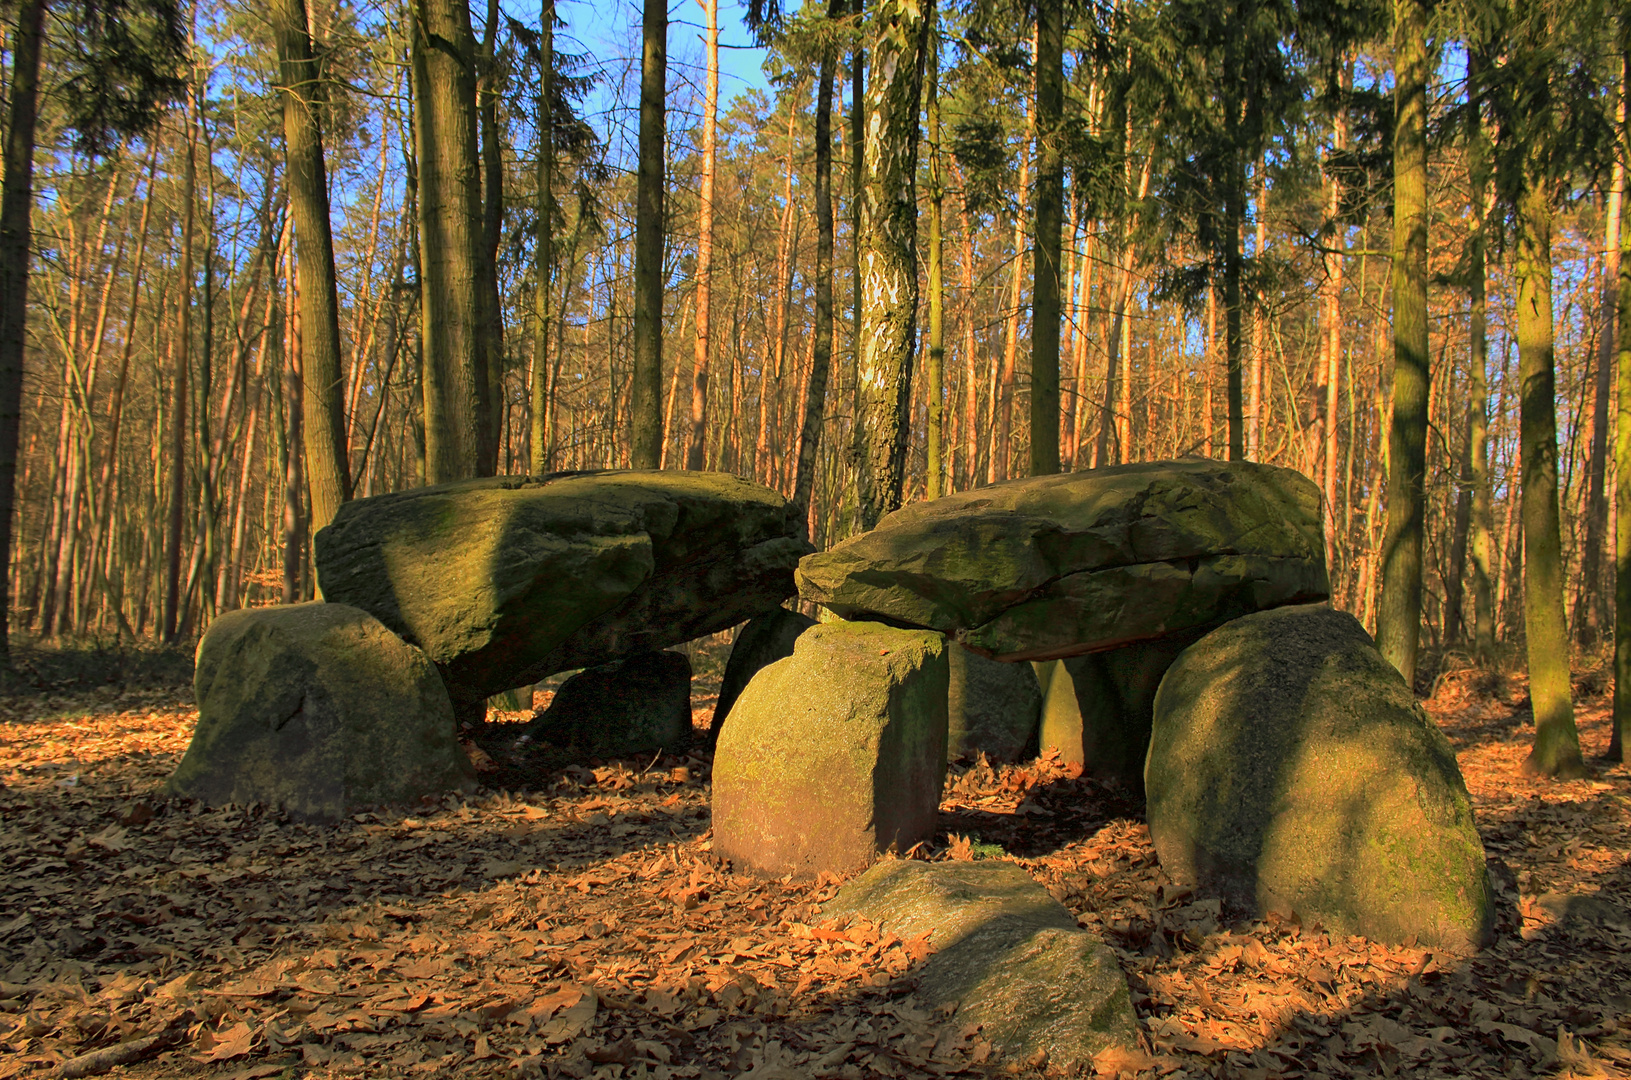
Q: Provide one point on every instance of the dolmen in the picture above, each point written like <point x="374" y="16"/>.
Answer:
<point x="1173" y="620"/>
<point x="440" y="597"/>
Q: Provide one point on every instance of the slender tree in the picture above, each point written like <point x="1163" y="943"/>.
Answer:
<point x="1622" y="446"/>
<point x="646" y="391"/>
<point x="544" y="253"/>
<point x="705" y="244"/>
<point x="1050" y="197"/>
<point x="934" y="437"/>
<point x="327" y="465"/>
<point x="1398" y="621"/>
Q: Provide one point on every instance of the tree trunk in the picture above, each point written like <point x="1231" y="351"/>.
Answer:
<point x="705" y="245"/>
<point x="889" y="290"/>
<point x="492" y="226"/>
<point x="1398" y="621"/>
<point x="328" y="469"/>
<point x="540" y="456"/>
<point x="815" y="396"/>
<point x="178" y="392"/>
<point x="1260" y="333"/>
<point x="646" y="392"/>
<point x="935" y="438"/>
<point x="1482" y="525"/>
<point x="449" y="198"/>
<point x="1050" y="197"/>
<point x="1590" y="615"/>
<point x="1556" y="751"/>
<point x="1622" y="443"/>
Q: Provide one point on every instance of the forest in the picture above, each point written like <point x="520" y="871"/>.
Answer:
<point x="257" y="261"/>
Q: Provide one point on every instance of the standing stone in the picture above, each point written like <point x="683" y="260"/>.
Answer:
<point x="764" y="639"/>
<point x="640" y="705"/>
<point x="834" y="754"/>
<point x="1291" y="770"/>
<point x="1007" y="956"/>
<point x="992" y="707"/>
<point x="1070" y="563"/>
<point x="1097" y="709"/>
<point x="319" y="709"/>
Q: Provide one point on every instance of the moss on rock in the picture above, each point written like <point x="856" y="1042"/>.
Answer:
<point x="1290" y="769"/>
<point x="1007" y="955"/>
<point x="317" y="708"/>
<point x="508" y="580"/>
<point x="835" y="753"/>
<point x="1056" y="566"/>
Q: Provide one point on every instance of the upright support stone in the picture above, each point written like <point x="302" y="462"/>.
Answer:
<point x="763" y="640"/>
<point x="319" y="709"/>
<point x="836" y="753"/>
<point x="992" y="707"/>
<point x="638" y="705"/>
<point x="1291" y="770"/>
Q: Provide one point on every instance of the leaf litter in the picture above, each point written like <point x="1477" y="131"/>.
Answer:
<point x="573" y="921"/>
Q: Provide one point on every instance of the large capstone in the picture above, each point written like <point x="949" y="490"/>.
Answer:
<point x="508" y="580"/>
<point x="992" y="708"/>
<point x="834" y="754"/>
<point x="638" y="705"/>
<point x="1062" y="565"/>
<point x="1007" y="957"/>
<point x="763" y="640"/>
<point x="319" y="709"/>
<point x="1291" y="770"/>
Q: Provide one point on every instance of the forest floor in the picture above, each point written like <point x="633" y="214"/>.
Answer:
<point x="573" y="921"/>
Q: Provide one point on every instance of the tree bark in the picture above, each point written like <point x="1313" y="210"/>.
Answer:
<point x="1590" y="615"/>
<point x="1050" y="196"/>
<point x="1622" y="444"/>
<point x="705" y="245"/>
<point x="540" y="456"/>
<point x="815" y="396"/>
<point x="646" y="393"/>
<point x="449" y="199"/>
<point x="1482" y="526"/>
<point x="170" y="619"/>
<point x="328" y="468"/>
<point x="935" y="437"/>
<point x="889" y="289"/>
<point x="1556" y="750"/>
<point x="1398" y="622"/>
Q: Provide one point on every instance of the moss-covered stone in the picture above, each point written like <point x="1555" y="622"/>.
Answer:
<point x="992" y="707"/>
<point x="1056" y="566"/>
<point x="763" y="639"/>
<point x="1291" y="770"/>
<point x="508" y="580"/>
<point x="638" y="705"/>
<point x="1097" y="709"/>
<point x="317" y="708"/>
<point x="1006" y="954"/>
<point x="835" y="753"/>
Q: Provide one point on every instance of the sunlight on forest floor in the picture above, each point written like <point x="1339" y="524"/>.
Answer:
<point x="574" y="922"/>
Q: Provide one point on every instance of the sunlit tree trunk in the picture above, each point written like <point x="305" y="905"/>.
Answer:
<point x="454" y="376"/>
<point x="705" y="245"/>
<point x="821" y="346"/>
<point x="492" y="416"/>
<point x="540" y="457"/>
<point x="889" y="289"/>
<point x="170" y="619"/>
<point x="935" y="436"/>
<point x="1622" y="445"/>
<point x="327" y="467"/>
<point x="1398" y="621"/>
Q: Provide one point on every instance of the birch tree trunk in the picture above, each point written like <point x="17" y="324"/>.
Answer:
<point x="888" y="341"/>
